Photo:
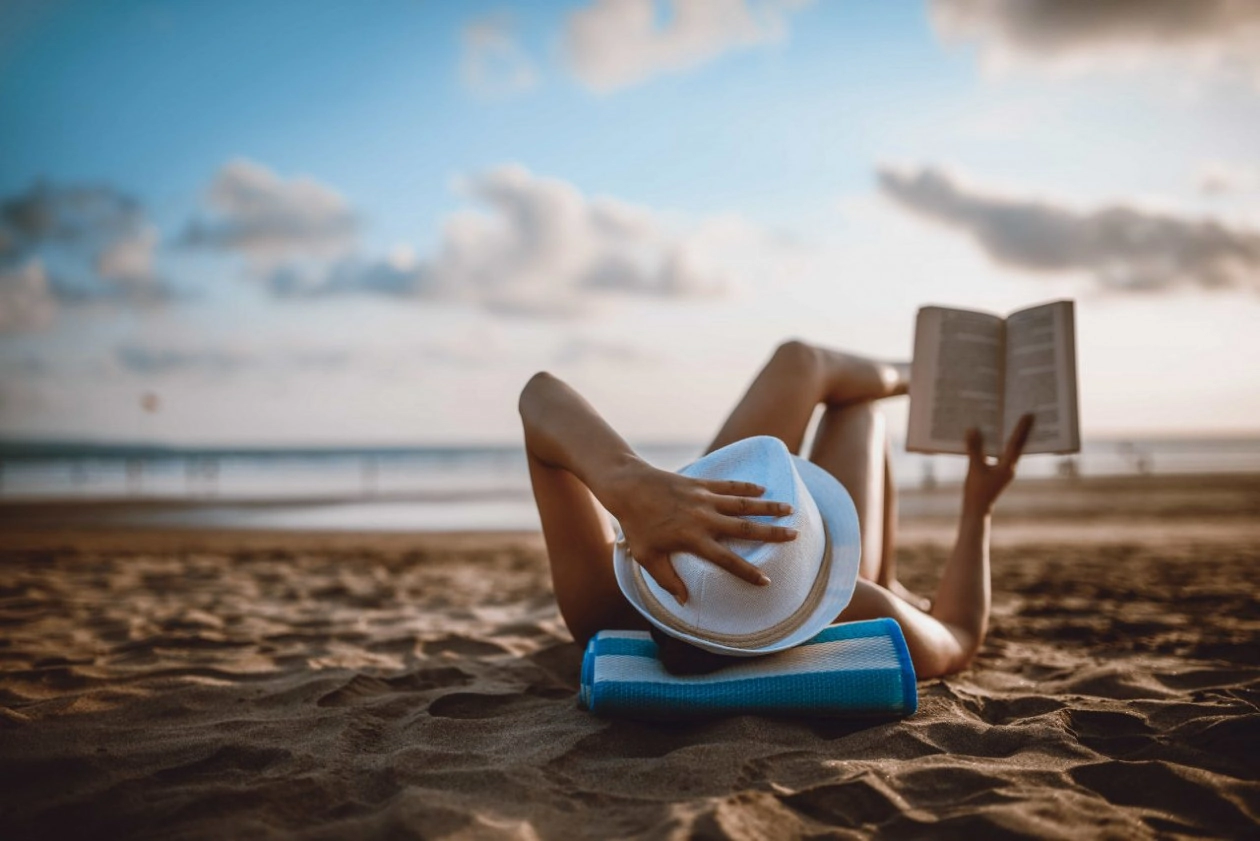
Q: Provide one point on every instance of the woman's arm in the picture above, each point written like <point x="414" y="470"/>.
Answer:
<point x="963" y="597"/>
<point x="660" y="512"/>
<point x="563" y="430"/>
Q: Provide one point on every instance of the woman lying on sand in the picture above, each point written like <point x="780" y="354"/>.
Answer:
<point x="576" y="458"/>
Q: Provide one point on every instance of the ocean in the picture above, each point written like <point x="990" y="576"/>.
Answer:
<point x="449" y="488"/>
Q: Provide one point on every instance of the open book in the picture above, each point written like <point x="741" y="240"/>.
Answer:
<point x="978" y="369"/>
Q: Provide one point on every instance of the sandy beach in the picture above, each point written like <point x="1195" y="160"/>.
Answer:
<point x="220" y="684"/>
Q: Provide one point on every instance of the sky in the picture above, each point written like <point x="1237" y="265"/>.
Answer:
<point x="316" y="223"/>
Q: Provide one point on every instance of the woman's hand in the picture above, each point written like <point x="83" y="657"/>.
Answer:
<point x="985" y="481"/>
<point x="662" y="513"/>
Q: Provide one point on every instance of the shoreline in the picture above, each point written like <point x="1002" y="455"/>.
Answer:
<point x="1210" y="508"/>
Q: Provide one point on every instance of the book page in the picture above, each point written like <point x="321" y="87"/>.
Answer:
<point x="1041" y="376"/>
<point x="956" y="380"/>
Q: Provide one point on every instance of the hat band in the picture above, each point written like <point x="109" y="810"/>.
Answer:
<point x="756" y="639"/>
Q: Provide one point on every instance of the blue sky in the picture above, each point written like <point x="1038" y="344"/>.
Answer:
<point x="370" y="97"/>
<point x="369" y="222"/>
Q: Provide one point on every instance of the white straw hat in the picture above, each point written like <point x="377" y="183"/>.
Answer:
<point x="812" y="577"/>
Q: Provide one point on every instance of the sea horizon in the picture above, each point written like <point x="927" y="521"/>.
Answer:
<point x="448" y="487"/>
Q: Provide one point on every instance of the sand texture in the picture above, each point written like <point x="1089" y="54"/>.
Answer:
<point x="215" y="685"/>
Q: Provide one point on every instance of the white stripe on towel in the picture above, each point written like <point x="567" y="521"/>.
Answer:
<point x="835" y="656"/>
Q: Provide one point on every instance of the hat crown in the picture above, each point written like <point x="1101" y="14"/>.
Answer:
<point x="722" y="604"/>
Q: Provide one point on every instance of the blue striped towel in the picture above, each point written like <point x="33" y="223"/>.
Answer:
<point x="855" y="668"/>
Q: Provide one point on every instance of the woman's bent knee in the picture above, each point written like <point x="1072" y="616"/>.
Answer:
<point x="795" y="361"/>
<point x="796" y="354"/>
<point x="533" y="384"/>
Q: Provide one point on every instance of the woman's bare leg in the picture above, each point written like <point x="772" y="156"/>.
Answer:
<point x="780" y="401"/>
<point x="852" y="441"/>
<point x="888" y="560"/>
<point x="799" y="376"/>
<point x="850" y="445"/>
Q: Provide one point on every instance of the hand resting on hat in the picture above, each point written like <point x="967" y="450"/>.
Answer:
<point x="662" y="513"/>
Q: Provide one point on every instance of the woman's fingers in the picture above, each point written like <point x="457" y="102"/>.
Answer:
<point x="748" y="530"/>
<point x="659" y="567"/>
<point x="713" y="551"/>
<point x="975" y="447"/>
<point x="1019" y="437"/>
<point x="731" y="487"/>
<point x="743" y="506"/>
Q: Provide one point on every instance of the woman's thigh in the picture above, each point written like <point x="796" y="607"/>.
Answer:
<point x="851" y="444"/>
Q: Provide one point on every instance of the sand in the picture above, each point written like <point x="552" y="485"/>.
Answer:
<point x="229" y="685"/>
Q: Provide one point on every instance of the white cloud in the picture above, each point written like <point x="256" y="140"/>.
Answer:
<point x="129" y="260"/>
<point x="1121" y="246"/>
<point x="26" y="301"/>
<point x="268" y="218"/>
<point x="1217" y="178"/>
<point x="493" y="63"/>
<point x="536" y="246"/>
<point x="584" y="350"/>
<point x="1083" y="35"/>
<point x="616" y="43"/>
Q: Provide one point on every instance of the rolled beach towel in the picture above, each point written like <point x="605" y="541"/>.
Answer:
<point x="851" y="669"/>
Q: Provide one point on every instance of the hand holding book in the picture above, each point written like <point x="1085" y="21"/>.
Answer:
<point x="976" y="369"/>
<point x="985" y="482"/>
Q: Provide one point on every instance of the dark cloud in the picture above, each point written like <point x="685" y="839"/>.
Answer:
<point x="1106" y="32"/>
<point x="140" y="359"/>
<point x="74" y="215"/>
<point x="256" y="212"/>
<point x="351" y="275"/>
<point x="64" y="244"/>
<point x="1123" y="247"/>
<point x="91" y="242"/>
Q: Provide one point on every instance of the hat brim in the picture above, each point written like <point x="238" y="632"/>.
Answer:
<point x="839" y="516"/>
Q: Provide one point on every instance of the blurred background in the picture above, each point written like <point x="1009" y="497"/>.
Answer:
<point x="289" y="264"/>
